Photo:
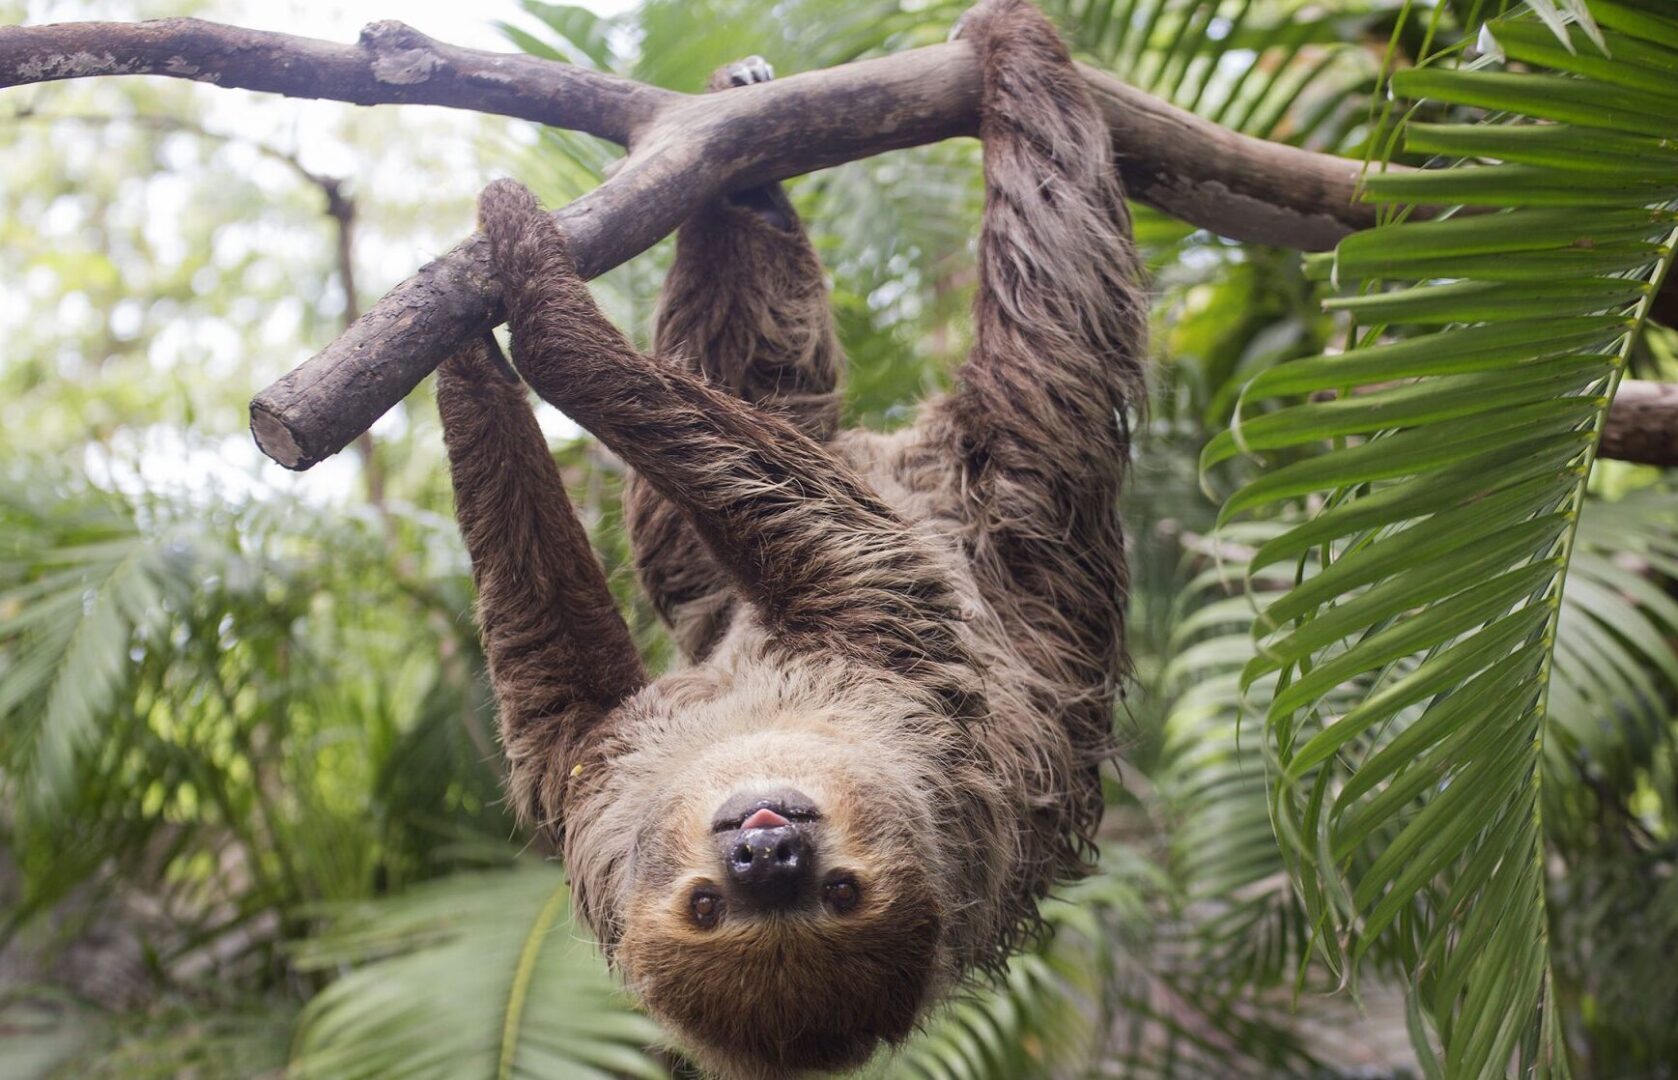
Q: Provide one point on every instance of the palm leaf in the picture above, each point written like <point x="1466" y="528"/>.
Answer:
<point x="1268" y="69"/>
<point x="69" y="615"/>
<point x="1616" y="672"/>
<point x="188" y="683"/>
<point x="1043" y="1016"/>
<point x="479" y="975"/>
<point x="1448" y="503"/>
<point x="1224" y="856"/>
<point x="1108" y="995"/>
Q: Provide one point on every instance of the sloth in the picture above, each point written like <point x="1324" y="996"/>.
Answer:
<point x="903" y="649"/>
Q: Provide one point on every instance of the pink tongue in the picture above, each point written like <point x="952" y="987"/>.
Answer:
<point x="764" y="819"/>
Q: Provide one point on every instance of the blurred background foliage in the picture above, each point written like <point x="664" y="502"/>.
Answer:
<point x="249" y="808"/>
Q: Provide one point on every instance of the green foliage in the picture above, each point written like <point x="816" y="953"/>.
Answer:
<point x="1281" y="71"/>
<point x="483" y="974"/>
<point x="1445" y="510"/>
<point x="180" y="702"/>
<point x="1045" y="1014"/>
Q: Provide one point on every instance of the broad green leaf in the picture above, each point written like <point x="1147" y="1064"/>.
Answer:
<point x="1413" y="658"/>
<point x="1420" y="450"/>
<point x="1516" y="186"/>
<point x="1507" y="233"/>
<point x="1508" y="511"/>
<point x="1553" y="146"/>
<point x="1434" y="625"/>
<point x="482" y="975"/>
<point x="1629" y="63"/>
<point x="1454" y="352"/>
<point x="1548" y="97"/>
<point x="1529" y="266"/>
<point x="1422" y="754"/>
<point x="1646" y="22"/>
<point x="1482" y="301"/>
<point x="1425" y="401"/>
<point x="1448" y="667"/>
<point x="1424" y="583"/>
<point x="1532" y="467"/>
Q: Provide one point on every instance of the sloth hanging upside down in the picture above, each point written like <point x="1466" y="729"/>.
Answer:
<point x="904" y="649"/>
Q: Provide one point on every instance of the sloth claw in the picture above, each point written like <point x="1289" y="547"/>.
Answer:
<point x="746" y="72"/>
<point x="753" y="69"/>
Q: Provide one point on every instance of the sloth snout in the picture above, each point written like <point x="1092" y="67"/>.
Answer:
<point x="770" y="866"/>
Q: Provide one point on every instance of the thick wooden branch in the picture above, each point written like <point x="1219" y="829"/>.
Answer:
<point x="1642" y="424"/>
<point x="392" y="64"/>
<point x="684" y="150"/>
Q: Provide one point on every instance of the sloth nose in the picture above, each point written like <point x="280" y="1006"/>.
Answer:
<point x="771" y="865"/>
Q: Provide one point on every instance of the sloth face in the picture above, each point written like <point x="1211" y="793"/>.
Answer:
<point x="788" y="927"/>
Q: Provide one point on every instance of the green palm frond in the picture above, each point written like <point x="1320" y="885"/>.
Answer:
<point x="1045" y="1016"/>
<point x="69" y="616"/>
<point x="479" y="975"/>
<point x="1223" y="853"/>
<point x="573" y="35"/>
<point x="1289" y="71"/>
<point x="1445" y="516"/>
<point x="1616" y="671"/>
<point x="182" y="675"/>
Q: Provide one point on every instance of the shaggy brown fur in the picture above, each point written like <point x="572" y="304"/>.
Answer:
<point x="920" y="632"/>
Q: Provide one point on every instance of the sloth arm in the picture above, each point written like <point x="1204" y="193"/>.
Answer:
<point x="826" y="564"/>
<point x="1035" y="422"/>
<point x="560" y="656"/>
<point x="746" y="307"/>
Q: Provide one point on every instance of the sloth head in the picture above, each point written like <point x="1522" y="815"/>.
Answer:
<point x="785" y="918"/>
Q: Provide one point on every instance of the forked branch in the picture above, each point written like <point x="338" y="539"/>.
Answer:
<point x="683" y="151"/>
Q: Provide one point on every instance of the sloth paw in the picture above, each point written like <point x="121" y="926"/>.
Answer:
<point x="753" y="69"/>
<point x="768" y="202"/>
<point x="974" y="17"/>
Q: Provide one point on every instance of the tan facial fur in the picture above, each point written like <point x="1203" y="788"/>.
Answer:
<point x="773" y="994"/>
<point x="785" y="992"/>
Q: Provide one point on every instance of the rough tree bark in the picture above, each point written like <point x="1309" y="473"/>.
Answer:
<point x="1641" y="424"/>
<point x="683" y="151"/>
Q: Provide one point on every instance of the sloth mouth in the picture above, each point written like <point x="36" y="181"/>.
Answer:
<point x="764" y="819"/>
<point x="764" y="812"/>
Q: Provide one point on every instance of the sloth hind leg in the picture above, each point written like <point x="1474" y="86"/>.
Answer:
<point x="745" y="305"/>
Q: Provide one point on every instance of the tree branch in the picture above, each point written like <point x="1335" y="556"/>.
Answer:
<point x="684" y="151"/>
<point x="1642" y="424"/>
<point x="392" y="64"/>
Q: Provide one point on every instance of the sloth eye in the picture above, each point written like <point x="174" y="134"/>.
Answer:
<point x="842" y="895"/>
<point x="706" y="907"/>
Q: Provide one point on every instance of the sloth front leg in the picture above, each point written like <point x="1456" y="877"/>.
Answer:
<point x="825" y="563"/>
<point x="1036" y="426"/>
<point x="560" y="657"/>
<point x="1037" y="422"/>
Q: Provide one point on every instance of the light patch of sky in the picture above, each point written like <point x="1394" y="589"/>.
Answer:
<point x="336" y="20"/>
<point x="161" y="458"/>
